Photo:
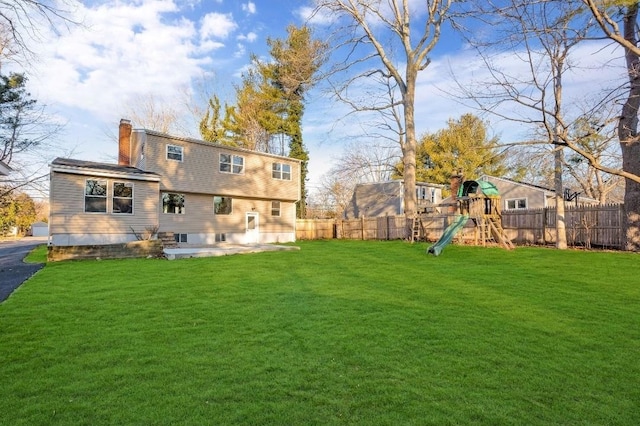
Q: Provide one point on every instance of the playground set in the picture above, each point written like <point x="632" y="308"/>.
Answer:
<point x="478" y="202"/>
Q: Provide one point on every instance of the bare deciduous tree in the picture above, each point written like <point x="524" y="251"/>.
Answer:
<point x="22" y="22"/>
<point x="595" y="134"/>
<point x="155" y="114"/>
<point x="372" y="33"/>
<point x="539" y="35"/>
<point x="610" y="16"/>
<point x="360" y="162"/>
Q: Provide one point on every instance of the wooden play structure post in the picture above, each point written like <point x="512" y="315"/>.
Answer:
<point x="480" y="201"/>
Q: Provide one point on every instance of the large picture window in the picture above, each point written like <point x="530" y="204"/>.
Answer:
<point x="281" y="171"/>
<point x="122" y="198"/>
<point x="222" y="205"/>
<point x="174" y="152"/>
<point x="231" y="163"/>
<point x="95" y="196"/>
<point x="172" y="203"/>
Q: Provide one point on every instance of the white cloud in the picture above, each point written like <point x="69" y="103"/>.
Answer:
<point x="217" y="25"/>
<point x="124" y="50"/>
<point x="249" y="37"/>
<point x="240" y="50"/>
<point x="250" y="7"/>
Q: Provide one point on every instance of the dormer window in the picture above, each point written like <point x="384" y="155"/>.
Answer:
<point x="174" y="152"/>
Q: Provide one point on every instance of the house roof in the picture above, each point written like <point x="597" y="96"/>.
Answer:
<point x="529" y="185"/>
<point x="70" y="165"/>
<point x="4" y="169"/>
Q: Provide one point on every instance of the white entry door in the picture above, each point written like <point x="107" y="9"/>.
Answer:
<point x="252" y="228"/>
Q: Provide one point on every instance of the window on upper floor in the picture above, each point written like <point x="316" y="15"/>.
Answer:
<point x="95" y="196"/>
<point x="275" y="208"/>
<point x="421" y="192"/>
<point x="281" y="171"/>
<point x="122" y="198"/>
<point x="174" y="152"/>
<point x="222" y="205"/>
<point x="172" y="203"/>
<point x="516" y="204"/>
<point x="231" y="163"/>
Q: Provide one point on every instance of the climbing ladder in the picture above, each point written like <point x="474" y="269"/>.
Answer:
<point x="498" y="234"/>
<point x="489" y="231"/>
<point x="483" y="232"/>
<point x="417" y="229"/>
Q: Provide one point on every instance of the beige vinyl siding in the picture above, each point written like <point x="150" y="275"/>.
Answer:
<point x="137" y="151"/>
<point x="376" y="199"/>
<point x="274" y="224"/>
<point x="199" y="216"/>
<point x="512" y="190"/>
<point x="67" y="208"/>
<point x="199" y="170"/>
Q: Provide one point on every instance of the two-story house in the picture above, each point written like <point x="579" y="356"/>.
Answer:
<point x="202" y="192"/>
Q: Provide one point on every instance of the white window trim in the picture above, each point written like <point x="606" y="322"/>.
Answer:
<point x="181" y="153"/>
<point x="279" y="209"/>
<point x="106" y="196"/>
<point x="231" y="164"/>
<point x="526" y="202"/>
<point x="113" y="196"/>
<point x="281" y="172"/>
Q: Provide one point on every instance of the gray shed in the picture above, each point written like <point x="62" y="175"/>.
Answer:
<point x="39" y="229"/>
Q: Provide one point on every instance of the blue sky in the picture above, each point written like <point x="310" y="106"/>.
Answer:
<point x="90" y="76"/>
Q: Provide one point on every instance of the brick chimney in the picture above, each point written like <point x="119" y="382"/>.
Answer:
<point x="456" y="183"/>
<point x="124" y="143"/>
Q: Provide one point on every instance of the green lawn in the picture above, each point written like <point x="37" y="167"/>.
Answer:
<point x="340" y="332"/>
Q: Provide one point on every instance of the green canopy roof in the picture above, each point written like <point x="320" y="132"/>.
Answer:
<point x="478" y="187"/>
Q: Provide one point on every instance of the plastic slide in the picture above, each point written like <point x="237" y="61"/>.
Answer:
<point x="448" y="234"/>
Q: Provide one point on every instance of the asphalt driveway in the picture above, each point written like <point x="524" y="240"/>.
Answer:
<point x="13" y="271"/>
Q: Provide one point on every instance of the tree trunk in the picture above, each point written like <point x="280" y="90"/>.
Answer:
<point x="409" y="150"/>
<point x="628" y="135"/>
<point x="561" y="228"/>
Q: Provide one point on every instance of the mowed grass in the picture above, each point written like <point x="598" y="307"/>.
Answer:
<point x="340" y="332"/>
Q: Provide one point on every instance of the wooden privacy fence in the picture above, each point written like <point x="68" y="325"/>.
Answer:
<point x="586" y="225"/>
<point x="369" y="228"/>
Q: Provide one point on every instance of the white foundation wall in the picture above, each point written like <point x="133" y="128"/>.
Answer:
<point x="241" y="238"/>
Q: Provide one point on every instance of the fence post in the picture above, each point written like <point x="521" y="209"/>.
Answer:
<point x="545" y="212"/>
<point x="388" y="230"/>
<point x="362" y="226"/>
